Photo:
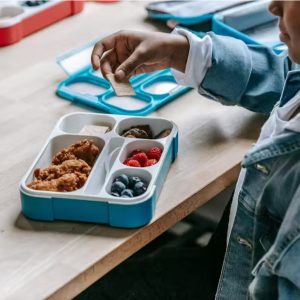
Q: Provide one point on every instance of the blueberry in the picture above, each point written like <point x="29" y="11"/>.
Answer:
<point x="133" y="180"/>
<point x="115" y="194"/>
<point x="122" y="178"/>
<point x="139" y="188"/>
<point x="33" y="3"/>
<point x="127" y="193"/>
<point x="118" y="187"/>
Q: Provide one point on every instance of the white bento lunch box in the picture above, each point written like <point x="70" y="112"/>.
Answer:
<point x="93" y="202"/>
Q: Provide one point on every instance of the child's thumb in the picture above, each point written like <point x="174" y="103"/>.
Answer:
<point x="129" y="65"/>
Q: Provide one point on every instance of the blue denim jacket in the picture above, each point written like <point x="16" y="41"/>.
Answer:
<point x="262" y="260"/>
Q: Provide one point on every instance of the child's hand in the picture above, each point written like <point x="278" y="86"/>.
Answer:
<point x="128" y="53"/>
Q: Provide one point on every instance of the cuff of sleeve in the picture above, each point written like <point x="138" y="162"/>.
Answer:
<point x="199" y="59"/>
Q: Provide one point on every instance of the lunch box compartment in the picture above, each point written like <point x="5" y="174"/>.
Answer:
<point x="161" y="85"/>
<point x="144" y="145"/>
<point x="129" y="103"/>
<point x="144" y="175"/>
<point x="55" y="145"/>
<point x="156" y="125"/>
<point x="74" y="125"/>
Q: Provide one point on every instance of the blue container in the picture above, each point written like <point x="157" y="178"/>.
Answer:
<point x="252" y="23"/>
<point x="84" y="86"/>
<point x="93" y="202"/>
<point x="188" y="12"/>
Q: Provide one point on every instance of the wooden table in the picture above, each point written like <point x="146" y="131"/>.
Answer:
<point x="58" y="260"/>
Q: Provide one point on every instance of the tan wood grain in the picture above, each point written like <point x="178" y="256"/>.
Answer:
<point x="58" y="260"/>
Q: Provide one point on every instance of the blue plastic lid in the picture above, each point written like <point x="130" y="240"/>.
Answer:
<point x="78" y="59"/>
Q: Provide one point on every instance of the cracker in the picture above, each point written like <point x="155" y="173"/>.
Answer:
<point x="94" y="130"/>
<point x="121" y="88"/>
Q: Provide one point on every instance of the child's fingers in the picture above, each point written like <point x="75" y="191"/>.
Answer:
<point x="105" y="68"/>
<point x="96" y="55"/>
<point x="130" y="64"/>
<point x="100" y="48"/>
<point x="108" y="62"/>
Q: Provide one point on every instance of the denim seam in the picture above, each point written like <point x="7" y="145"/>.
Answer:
<point x="229" y="247"/>
<point x="271" y="152"/>
<point x="295" y="236"/>
<point x="264" y="212"/>
<point x="224" y="269"/>
<point x="249" y="209"/>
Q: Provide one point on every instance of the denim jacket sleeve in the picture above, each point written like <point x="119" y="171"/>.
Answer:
<point x="250" y="76"/>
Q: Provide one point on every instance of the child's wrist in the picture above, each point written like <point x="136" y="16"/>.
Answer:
<point x="180" y="51"/>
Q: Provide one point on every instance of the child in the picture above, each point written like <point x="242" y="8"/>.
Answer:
<point x="262" y="259"/>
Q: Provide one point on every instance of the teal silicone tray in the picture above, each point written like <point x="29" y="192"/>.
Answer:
<point x="252" y="23"/>
<point x="87" y="87"/>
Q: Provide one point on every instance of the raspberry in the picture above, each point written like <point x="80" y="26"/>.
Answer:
<point x="127" y="160"/>
<point x="133" y="163"/>
<point x="136" y="151"/>
<point x="154" y="153"/>
<point x="140" y="157"/>
<point x="150" y="162"/>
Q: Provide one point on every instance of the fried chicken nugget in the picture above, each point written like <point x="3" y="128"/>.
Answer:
<point x="67" y="167"/>
<point x="65" y="183"/>
<point x="85" y="150"/>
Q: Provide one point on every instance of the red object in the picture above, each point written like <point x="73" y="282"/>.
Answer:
<point x="133" y="163"/>
<point x="127" y="160"/>
<point x="58" y="11"/>
<point x="150" y="162"/>
<point x="154" y="153"/>
<point x="141" y="158"/>
<point x="136" y="151"/>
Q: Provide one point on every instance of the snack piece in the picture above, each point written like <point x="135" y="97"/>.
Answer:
<point x="95" y="130"/>
<point x="154" y="153"/>
<point x="127" y="193"/>
<point x="133" y="180"/>
<point x="147" y="129"/>
<point x="150" y="162"/>
<point x="32" y="3"/>
<point x="141" y="158"/>
<point x="115" y="194"/>
<point x="144" y="132"/>
<point x="163" y="134"/>
<point x="122" y="178"/>
<point x="85" y="150"/>
<point x="133" y="163"/>
<point x="135" y="186"/>
<point x="123" y="88"/>
<point x="118" y="187"/>
<point x="136" y="151"/>
<point x="138" y="132"/>
<point x="139" y="188"/>
<point x="65" y="183"/>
